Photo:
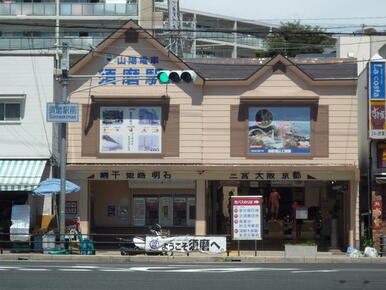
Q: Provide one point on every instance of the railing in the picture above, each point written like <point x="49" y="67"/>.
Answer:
<point x="229" y="37"/>
<point x="68" y="9"/>
<point x="26" y="43"/>
<point x="27" y="9"/>
<point x="75" y="43"/>
<point x="75" y="244"/>
<point x="98" y="9"/>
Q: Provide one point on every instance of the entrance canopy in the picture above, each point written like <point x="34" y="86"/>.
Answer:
<point x="20" y="175"/>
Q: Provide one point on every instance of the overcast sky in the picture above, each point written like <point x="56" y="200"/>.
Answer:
<point x="365" y="10"/>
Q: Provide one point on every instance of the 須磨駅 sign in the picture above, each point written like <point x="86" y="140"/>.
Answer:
<point x="246" y="217"/>
<point x="62" y="112"/>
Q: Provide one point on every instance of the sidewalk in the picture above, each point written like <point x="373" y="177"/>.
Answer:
<point x="245" y="257"/>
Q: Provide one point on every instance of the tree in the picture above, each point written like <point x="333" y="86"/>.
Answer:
<point x="293" y="38"/>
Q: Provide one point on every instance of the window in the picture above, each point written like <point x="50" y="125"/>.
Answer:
<point x="167" y="210"/>
<point x="10" y="111"/>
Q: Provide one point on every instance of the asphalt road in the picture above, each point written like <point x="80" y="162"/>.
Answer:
<point x="114" y="276"/>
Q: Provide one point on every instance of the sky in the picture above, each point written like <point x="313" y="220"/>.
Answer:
<point x="369" y="12"/>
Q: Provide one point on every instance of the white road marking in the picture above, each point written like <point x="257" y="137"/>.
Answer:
<point x="33" y="269"/>
<point x="85" y="267"/>
<point x="315" y="271"/>
<point x="9" y="267"/>
<point x="117" y="270"/>
<point x="208" y="270"/>
<point x="75" y="270"/>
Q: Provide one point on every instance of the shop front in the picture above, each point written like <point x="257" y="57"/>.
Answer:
<point x="306" y="205"/>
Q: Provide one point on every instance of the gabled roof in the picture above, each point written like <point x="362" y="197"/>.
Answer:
<point x="239" y="72"/>
<point x="120" y="34"/>
<point x="213" y="69"/>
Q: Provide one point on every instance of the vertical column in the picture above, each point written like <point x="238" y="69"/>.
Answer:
<point x="354" y="214"/>
<point x="234" y="53"/>
<point x="194" y="46"/>
<point x="83" y="205"/>
<point x="201" y="223"/>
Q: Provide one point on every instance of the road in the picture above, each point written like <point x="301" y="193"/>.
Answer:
<point x="117" y="276"/>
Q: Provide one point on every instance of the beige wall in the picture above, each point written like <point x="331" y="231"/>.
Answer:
<point x="205" y="112"/>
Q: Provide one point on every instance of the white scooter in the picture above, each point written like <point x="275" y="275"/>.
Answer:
<point x="137" y="245"/>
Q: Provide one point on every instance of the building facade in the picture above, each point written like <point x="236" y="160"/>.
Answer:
<point x="42" y="27"/>
<point x="27" y="84"/>
<point x="173" y="154"/>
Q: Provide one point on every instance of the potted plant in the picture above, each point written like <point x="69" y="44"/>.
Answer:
<point x="301" y="250"/>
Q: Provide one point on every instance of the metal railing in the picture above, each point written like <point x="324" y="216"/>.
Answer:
<point x="98" y="9"/>
<point x="69" y="9"/>
<point x="50" y="243"/>
<point x="27" y="9"/>
<point x="26" y="43"/>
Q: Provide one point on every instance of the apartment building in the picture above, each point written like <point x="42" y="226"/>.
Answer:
<point x="41" y="26"/>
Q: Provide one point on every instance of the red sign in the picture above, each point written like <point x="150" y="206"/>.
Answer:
<point x="246" y="201"/>
<point x="377" y="213"/>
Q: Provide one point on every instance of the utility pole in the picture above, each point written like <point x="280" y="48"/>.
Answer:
<point x="175" y="37"/>
<point x="63" y="146"/>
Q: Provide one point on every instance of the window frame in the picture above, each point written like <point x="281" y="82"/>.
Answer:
<point x="13" y="99"/>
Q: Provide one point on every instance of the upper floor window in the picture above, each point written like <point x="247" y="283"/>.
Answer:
<point x="10" y="111"/>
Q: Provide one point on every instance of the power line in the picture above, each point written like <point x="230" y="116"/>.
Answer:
<point x="214" y="30"/>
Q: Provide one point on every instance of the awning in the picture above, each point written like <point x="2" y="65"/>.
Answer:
<point x="20" y="175"/>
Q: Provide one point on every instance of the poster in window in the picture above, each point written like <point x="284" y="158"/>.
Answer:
<point x="139" y="211"/>
<point x="130" y="130"/>
<point x="275" y="130"/>
<point x="123" y="212"/>
<point x="166" y="211"/>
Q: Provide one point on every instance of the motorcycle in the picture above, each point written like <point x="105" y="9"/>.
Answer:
<point x="137" y="245"/>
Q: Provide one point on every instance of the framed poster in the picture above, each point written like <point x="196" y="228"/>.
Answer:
<point x="139" y="211"/>
<point x="130" y="130"/>
<point x="123" y="212"/>
<point x="277" y="130"/>
<point x="246" y="217"/>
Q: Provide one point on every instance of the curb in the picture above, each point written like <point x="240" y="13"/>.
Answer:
<point x="191" y="259"/>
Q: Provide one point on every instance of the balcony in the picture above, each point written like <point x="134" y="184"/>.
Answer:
<point x="26" y="43"/>
<point x="27" y="9"/>
<point x="68" y="9"/>
<point x="98" y="9"/>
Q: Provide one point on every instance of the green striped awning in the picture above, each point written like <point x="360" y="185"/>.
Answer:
<point x="20" y="175"/>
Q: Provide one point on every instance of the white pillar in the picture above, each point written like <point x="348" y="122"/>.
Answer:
<point x="83" y="205"/>
<point x="234" y="52"/>
<point x="201" y="224"/>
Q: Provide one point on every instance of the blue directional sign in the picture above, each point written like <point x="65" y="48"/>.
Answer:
<point x="62" y="112"/>
<point x="377" y="81"/>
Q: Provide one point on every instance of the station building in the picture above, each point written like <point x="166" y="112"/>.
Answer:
<point x="145" y="152"/>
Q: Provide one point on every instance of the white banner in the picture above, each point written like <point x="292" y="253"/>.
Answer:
<point x="185" y="244"/>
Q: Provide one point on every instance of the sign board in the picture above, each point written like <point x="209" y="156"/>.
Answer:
<point x="186" y="244"/>
<point x="377" y="100"/>
<point x="377" y="81"/>
<point x="377" y="213"/>
<point x="246" y="217"/>
<point x="62" y="112"/>
<point x="301" y="213"/>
